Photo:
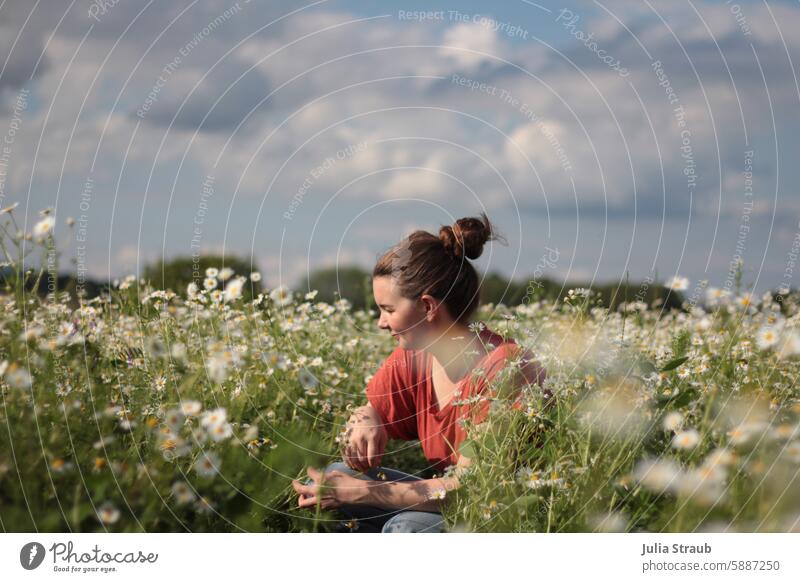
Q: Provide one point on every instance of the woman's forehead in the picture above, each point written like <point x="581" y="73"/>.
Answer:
<point x="387" y="288"/>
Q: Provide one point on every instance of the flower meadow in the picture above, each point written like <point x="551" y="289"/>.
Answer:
<point x="192" y="410"/>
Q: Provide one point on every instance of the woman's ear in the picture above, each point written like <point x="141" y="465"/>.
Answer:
<point x="431" y="306"/>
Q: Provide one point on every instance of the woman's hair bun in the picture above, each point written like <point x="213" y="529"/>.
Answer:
<point x="467" y="237"/>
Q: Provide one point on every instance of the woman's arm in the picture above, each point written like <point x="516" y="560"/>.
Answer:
<point x="422" y="495"/>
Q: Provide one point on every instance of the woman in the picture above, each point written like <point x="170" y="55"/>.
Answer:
<point x="426" y="290"/>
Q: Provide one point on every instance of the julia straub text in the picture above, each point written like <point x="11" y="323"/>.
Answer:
<point x="656" y="548"/>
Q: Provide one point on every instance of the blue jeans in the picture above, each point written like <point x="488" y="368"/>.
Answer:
<point x="371" y="519"/>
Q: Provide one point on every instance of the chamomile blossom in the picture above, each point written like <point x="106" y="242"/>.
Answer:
<point x="207" y="464"/>
<point x="233" y="290"/>
<point x="767" y="337"/>
<point x="212" y="418"/>
<point x="44" y="227"/>
<point x="686" y="439"/>
<point x="107" y="513"/>
<point x="281" y="296"/>
<point x="673" y="421"/>
<point x="182" y="493"/>
<point x="678" y="283"/>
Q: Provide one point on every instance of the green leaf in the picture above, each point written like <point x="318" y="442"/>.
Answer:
<point x="647" y="367"/>
<point x="469" y="449"/>
<point x="674" y="363"/>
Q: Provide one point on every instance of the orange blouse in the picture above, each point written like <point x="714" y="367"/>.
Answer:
<point x="402" y="393"/>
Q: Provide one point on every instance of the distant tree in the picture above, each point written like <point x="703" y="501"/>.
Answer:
<point x="176" y="274"/>
<point x="352" y="283"/>
<point x="497" y="289"/>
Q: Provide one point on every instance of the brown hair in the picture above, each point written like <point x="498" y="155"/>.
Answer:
<point x="424" y="263"/>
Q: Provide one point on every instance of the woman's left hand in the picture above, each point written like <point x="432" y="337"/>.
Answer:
<point x="338" y="489"/>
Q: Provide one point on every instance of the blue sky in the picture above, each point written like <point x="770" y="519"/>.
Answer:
<point x="332" y="129"/>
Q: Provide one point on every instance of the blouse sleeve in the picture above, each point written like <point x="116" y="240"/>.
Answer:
<point x="391" y="392"/>
<point x="528" y="372"/>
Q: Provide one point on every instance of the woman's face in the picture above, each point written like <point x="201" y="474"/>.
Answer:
<point x="406" y="319"/>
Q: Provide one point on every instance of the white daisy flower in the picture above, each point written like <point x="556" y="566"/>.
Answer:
<point x="192" y="289"/>
<point x="747" y="302"/>
<point x="107" y="513"/>
<point x="233" y="290"/>
<point x="610" y="522"/>
<point x="437" y="494"/>
<point x="281" y="296"/>
<point x="746" y="432"/>
<point x="225" y="274"/>
<point x="716" y="295"/>
<point x="44" y="227"/>
<point x="212" y="272"/>
<point x="686" y="439"/>
<point x="719" y="457"/>
<point x="210" y="283"/>
<point x="678" y="283"/>
<point x="255" y="276"/>
<point x="174" y="419"/>
<point x="220" y="432"/>
<point x="673" y="421"/>
<point x="658" y="475"/>
<point x="792" y="451"/>
<point x="182" y="493"/>
<point x="704" y="485"/>
<point x="214" y="417"/>
<point x="767" y="337"/>
<point x="538" y="479"/>
<point x="18" y="377"/>
<point x="207" y="464"/>
<point x="179" y="351"/>
<point x="191" y="407"/>
<point x="790" y="345"/>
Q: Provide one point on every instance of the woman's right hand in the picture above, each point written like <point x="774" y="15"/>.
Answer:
<point x="365" y="440"/>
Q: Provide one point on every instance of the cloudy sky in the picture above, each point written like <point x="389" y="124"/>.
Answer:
<point x="648" y="137"/>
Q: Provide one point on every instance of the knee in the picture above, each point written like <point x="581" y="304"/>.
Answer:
<point x="414" y="522"/>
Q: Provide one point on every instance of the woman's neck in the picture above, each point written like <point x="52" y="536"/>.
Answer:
<point x="457" y="350"/>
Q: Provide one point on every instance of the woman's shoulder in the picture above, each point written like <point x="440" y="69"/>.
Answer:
<point x="508" y="351"/>
<point x="404" y="362"/>
<point x="497" y="344"/>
